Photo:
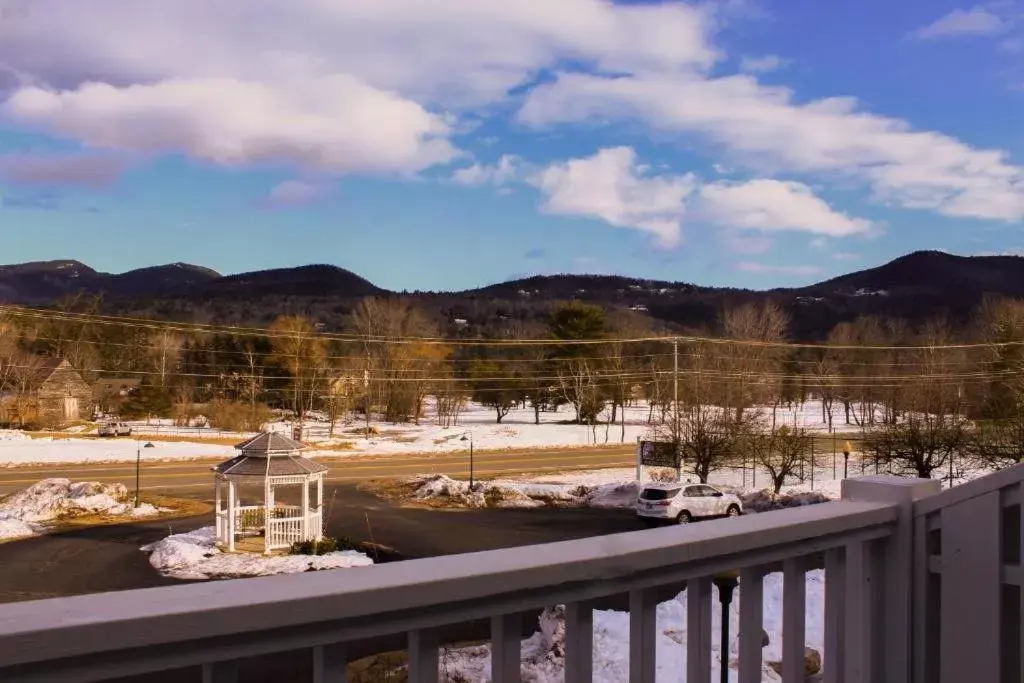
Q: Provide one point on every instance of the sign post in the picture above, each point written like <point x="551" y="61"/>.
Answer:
<point x="657" y="454"/>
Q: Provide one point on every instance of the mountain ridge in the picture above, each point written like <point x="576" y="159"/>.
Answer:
<point x="912" y="286"/>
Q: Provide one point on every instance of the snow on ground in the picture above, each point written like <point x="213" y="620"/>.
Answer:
<point x="17" y="448"/>
<point x="517" y="429"/>
<point x="543" y="653"/>
<point x="31" y="511"/>
<point x="194" y="555"/>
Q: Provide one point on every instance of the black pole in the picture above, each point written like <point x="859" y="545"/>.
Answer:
<point x="725" y="584"/>
<point x="471" y="460"/>
<point x="138" y="458"/>
<point x="846" y="464"/>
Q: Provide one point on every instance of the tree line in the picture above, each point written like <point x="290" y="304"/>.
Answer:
<point x="919" y="395"/>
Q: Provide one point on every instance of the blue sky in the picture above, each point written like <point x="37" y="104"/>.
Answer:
<point x="456" y="143"/>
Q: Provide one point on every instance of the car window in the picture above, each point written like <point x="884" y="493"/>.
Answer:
<point x="693" y="492"/>
<point x="658" y="494"/>
<point x="708" y="491"/>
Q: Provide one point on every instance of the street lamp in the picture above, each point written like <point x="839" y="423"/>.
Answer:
<point x="846" y="459"/>
<point x="138" y="460"/>
<point x="468" y="436"/>
<point x="726" y="583"/>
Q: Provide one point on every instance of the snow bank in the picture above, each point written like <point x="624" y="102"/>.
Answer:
<point x="194" y="555"/>
<point x="543" y="658"/>
<point x="32" y="510"/>
<point x="24" y="450"/>
<point x="444" y="490"/>
<point x="614" y="488"/>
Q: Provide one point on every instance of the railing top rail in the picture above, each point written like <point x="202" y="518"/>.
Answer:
<point x="67" y="627"/>
<point x="971" y="489"/>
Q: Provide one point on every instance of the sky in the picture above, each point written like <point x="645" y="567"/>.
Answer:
<point x="450" y="144"/>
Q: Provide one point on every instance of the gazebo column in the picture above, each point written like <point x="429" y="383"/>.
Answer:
<point x="320" y="504"/>
<point x="232" y="513"/>
<point x="217" y="517"/>
<point x="305" y="510"/>
<point x="268" y="507"/>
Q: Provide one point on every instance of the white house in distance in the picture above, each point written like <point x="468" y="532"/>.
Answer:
<point x="276" y="461"/>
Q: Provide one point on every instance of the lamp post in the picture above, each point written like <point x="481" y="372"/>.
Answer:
<point x="468" y="436"/>
<point x="846" y="460"/>
<point x="726" y="583"/>
<point x="138" y="460"/>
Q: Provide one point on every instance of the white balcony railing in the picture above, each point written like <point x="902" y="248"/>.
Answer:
<point x="865" y="543"/>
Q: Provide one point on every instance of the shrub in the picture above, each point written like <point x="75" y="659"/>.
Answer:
<point x="235" y="416"/>
<point x="323" y="546"/>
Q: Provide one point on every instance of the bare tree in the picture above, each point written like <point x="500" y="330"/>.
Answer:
<point x="300" y="350"/>
<point x="708" y="438"/>
<point x="917" y="445"/>
<point x="782" y="451"/>
<point x="751" y="366"/>
<point x="998" y="444"/>
<point x="165" y="350"/>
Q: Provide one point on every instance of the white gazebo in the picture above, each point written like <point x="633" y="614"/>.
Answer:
<point x="277" y="461"/>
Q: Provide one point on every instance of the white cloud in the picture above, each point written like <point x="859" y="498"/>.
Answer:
<point x="355" y="85"/>
<point x="846" y="256"/>
<point x="775" y="205"/>
<point x="977" y="21"/>
<point x="506" y="170"/>
<point x="764" y="127"/>
<point x="337" y="124"/>
<point x="62" y="169"/>
<point x="295" y="193"/>
<point x="611" y="186"/>
<point x="770" y="269"/>
<point x="764" y="64"/>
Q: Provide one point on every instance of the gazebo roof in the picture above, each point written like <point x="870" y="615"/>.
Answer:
<point x="280" y="466"/>
<point x="269" y="454"/>
<point x="269" y="443"/>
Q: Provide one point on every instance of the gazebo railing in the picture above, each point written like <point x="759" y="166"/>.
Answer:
<point x="281" y="533"/>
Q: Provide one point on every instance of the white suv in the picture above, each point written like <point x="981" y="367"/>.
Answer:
<point x="115" y="429"/>
<point x="683" y="503"/>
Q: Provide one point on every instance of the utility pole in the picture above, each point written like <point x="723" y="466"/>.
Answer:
<point x="366" y="392"/>
<point x="675" y="388"/>
<point x="138" y="460"/>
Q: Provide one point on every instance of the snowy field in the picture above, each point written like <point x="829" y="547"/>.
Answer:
<point x="194" y="555"/>
<point x="18" y="448"/>
<point x="543" y="658"/>
<point x="517" y="431"/>
<point x="36" y="509"/>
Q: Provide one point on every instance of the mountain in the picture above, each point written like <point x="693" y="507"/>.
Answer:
<point x="913" y="287"/>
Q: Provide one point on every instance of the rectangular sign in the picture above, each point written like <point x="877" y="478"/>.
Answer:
<point x="659" y="454"/>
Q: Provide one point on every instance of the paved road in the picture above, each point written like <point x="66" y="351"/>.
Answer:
<point x="108" y="558"/>
<point x="166" y="477"/>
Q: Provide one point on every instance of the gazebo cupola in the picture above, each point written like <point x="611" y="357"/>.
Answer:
<point x="276" y="461"/>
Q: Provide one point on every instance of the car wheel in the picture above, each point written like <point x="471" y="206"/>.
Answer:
<point x="684" y="518"/>
<point x="733" y="511"/>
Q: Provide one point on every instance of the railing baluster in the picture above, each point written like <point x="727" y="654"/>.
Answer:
<point x="835" y="616"/>
<point x="220" y="672"/>
<point x="858" y="657"/>
<point x="643" y="635"/>
<point x="751" y="625"/>
<point x="506" y="633"/>
<point x="330" y="664"/>
<point x="698" y="630"/>
<point x="794" y="593"/>
<point x="579" y="642"/>
<point x="423" y="656"/>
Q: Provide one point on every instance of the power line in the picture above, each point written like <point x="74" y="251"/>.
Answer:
<point x="197" y="328"/>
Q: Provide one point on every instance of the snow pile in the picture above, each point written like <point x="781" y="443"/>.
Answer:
<point x="30" y="511"/>
<point x="543" y="658"/>
<point x="194" y="555"/>
<point x="444" y="490"/>
<point x="54" y="499"/>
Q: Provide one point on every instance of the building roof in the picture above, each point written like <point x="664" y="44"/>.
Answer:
<point x="268" y="444"/>
<point x="277" y="466"/>
<point x="47" y="365"/>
